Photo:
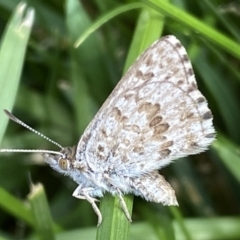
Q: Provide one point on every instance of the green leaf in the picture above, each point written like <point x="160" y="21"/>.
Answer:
<point x="40" y="209"/>
<point x="12" y="52"/>
<point x="196" y="25"/>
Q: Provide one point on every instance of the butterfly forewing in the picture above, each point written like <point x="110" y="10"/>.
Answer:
<point x="154" y="115"/>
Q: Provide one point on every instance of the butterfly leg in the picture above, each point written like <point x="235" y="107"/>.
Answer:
<point x="82" y="193"/>
<point x="94" y="206"/>
<point x="124" y="206"/>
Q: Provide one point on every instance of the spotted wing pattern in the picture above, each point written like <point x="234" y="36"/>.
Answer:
<point x="154" y="115"/>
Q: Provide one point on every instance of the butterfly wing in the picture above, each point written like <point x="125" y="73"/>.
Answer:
<point x="154" y="115"/>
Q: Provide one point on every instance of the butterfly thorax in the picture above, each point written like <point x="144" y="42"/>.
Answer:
<point x="78" y="170"/>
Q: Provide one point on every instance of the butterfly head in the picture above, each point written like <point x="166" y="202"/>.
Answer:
<point x="62" y="162"/>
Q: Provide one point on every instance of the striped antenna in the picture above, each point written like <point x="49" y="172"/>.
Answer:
<point x="31" y="150"/>
<point x="13" y="118"/>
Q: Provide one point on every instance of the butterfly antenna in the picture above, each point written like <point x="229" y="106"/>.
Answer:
<point x="13" y="118"/>
<point x="30" y="151"/>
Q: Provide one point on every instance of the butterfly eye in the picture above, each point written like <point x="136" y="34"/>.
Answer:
<point x="63" y="164"/>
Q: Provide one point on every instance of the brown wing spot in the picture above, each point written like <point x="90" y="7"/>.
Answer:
<point x="201" y="100"/>
<point x="127" y="96"/>
<point x="159" y="138"/>
<point x="169" y="61"/>
<point x="163" y="138"/>
<point x="139" y="74"/>
<point x="152" y="112"/>
<point x="207" y="115"/>
<point x="185" y="58"/>
<point x="190" y="89"/>
<point x="167" y="144"/>
<point x="100" y="148"/>
<point x="156" y="107"/>
<point x="86" y="137"/>
<point x="125" y="159"/>
<point x="150" y="109"/>
<point x="116" y="113"/>
<point x="190" y="72"/>
<point x="210" y="135"/>
<point x="178" y="45"/>
<point x="154" y="175"/>
<point x="126" y="141"/>
<point x="186" y="115"/>
<point x="144" y="107"/>
<point x="161" y="128"/>
<point x="149" y="60"/>
<point x="136" y="128"/>
<point x="139" y="150"/>
<point x="165" y="153"/>
<point x="155" y="121"/>
<point x="180" y="82"/>
<point x="194" y="144"/>
<point x="104" y="133"/>
<point x="101" y="156"/>
<point x="167" y="78"/>
<point x="194" y="84"/>
<point x="147" y="76"/>
<point x="114" y="153"/>
<point x="124" y="119"/>
<point x="190" y="138"/>
<point x="190" y="115"/>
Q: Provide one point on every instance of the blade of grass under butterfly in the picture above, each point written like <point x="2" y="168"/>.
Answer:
<point x="115" y="224"/>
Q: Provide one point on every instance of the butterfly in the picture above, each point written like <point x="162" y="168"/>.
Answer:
<point x="155" y="115"/>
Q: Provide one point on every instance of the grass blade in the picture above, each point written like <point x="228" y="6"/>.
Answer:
<point x="12" y="52"/>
